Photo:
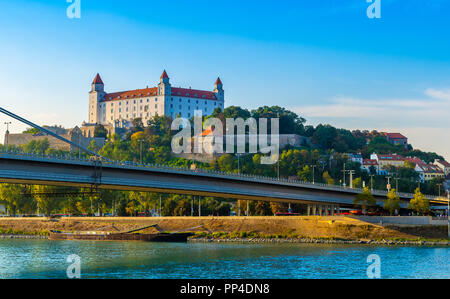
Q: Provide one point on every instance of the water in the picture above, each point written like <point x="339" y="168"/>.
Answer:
<point x="47" y="259"/>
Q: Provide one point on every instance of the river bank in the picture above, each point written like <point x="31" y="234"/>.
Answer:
<point x="299" y="229"/>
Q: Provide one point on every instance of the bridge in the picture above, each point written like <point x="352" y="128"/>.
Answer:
<point x="65" y="171"/>
<point x="99" y="172"/>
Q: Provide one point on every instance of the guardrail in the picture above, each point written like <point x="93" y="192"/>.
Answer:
<point x="198" y="171"/>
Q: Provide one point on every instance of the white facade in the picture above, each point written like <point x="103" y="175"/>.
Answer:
<point x="109" y="108"/>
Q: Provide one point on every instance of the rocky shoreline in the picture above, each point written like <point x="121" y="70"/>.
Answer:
<point x="8" y="236"/>
<point x="279" y="240"/>
<point x="322" y="241"/>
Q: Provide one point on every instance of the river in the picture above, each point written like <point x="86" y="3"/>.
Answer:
<point x="48" y="259"/>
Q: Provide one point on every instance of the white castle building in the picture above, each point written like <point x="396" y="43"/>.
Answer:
<point x="119" y="107"/>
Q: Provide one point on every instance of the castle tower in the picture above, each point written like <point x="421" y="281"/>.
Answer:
<point x="218" y="90"/>
<point x="164" y="87"/>
<point x="95" y="96"/>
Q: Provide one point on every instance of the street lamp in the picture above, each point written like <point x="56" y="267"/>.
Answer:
<point x="239" y="163"/>
<point x="7" y="133"/>
<point x="313" y="167"/>
<point x="389" y="183"/>
<point x="371" y="182"/>
<point x="396" y="183"/>
<point x="439" y="192"/>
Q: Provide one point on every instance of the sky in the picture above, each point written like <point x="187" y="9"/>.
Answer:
<point x="325" y="60"/>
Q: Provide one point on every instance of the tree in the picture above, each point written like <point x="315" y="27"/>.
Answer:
<point x="392" y="202"/>
<point x="419" y="203"/>
<point x="365" y="200"/>
<point x="305" y="174"/>
<point x="327" y="178"/>
<point x="46" y="202"/>
<point x="263" y="208"/>
<point x="15" y="198"/>
<point x="357" y="183"/>
<point x="100" y="131"/>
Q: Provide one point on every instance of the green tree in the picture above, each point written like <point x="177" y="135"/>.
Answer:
<point x="100" y="131"/>
<point x="365" y="200"/>
<point x="45" y="199"/>
<point x="392" y="203"/>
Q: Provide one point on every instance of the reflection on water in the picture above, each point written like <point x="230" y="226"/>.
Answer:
<point x="47" y="259"/>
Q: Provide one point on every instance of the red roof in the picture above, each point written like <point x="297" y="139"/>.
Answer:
<point x="207" y="132"/>
<point x="97" y="79"/>
<point x="164" y="75"/>
<point x="415" y="160"/>
<point x="147" y="92"/>
<point x="429" y="168"/>
<point x="370" y="162"/>
<point x="130" y="94"/>
<point x="193" y="93"/>
<point x="218" y="81"/>
<point x="444" y="163"/>
<point x="395" y="136"/>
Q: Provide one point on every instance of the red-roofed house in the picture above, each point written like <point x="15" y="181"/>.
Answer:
<point x="369" y="165"/>
<point x="443" y="165"/>
<point x="396" y="139"/>
<point x="117" y="107"/>
<point x="384" y="161"/>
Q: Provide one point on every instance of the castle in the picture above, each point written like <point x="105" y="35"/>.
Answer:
<point x="118" y="108"/>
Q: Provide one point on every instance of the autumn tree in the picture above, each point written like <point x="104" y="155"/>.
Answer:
<point x="392" y="202"/>
<point x="419" y="203"/>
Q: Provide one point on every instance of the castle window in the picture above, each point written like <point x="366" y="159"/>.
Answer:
<point x="156" y="99"/>
<point x="156" y="106"/>
<point x="171" y="105"/>
<point x="189" y="100"/>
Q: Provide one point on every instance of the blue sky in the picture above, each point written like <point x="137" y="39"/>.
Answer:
<point x="323" y="59"/>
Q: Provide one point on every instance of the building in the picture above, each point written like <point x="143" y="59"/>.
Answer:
<point x="428" y="172"/>
<point x="371" y="166"/>
<point x="443" y="165"/>
<point x="356" y="158"/>
<point x="385" y="161"/>
<point x="109" y="108"/>
<point x="396" y="139"/>
<point x="75" y="135"/>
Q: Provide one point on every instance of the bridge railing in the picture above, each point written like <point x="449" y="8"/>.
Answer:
<point x="214" y="173"/>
